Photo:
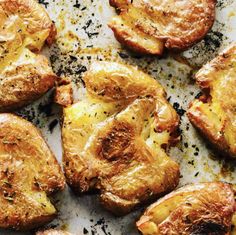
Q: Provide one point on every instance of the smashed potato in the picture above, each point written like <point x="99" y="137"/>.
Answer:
<point x="203" y="208"/>
<point x="24" y="76"/>
<point x="114" y="139"/>
<point x="25" y="21"/>
<point x="214" y="113"/>
<point x="29" y="172"/>
<point x="150" y="26"/>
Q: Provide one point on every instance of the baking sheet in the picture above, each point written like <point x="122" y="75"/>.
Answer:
<point x="83" y="37"/>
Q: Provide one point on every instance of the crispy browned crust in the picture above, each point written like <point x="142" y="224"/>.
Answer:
<point x="38" y="25"/>
<point x="53" y="232"/>
<point x="119" y="3"/>
<point x="150" y="26"/>
<point x="215" y="114"/>
<point x="52" y="34"/>
<point x="21" y="84"/>
<point x="203" y="208"/>
<point x="28" y="173"/>
<point x="64" y="92"/>
<point x="25" y="76"/>
<point x="113" y="138"/>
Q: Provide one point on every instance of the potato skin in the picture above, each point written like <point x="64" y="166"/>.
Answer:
<point x="24" y="76"/>
<point x="38" y="25"/>
<point x="148" y="27"/>
<point x="203" y="208"/>
<point x="113" y="138"/>
<point x="24" y="83"/>
<point x="28" y="173"/>
<point x="64" y="92"/>
<point x="214" y="113"/>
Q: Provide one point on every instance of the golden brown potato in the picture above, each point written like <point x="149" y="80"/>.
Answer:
<point x="29" y="172"/>
<point x="27" y="20"/>
<point x="53" y="232"/>
<point x="24" y="80"/>
<point x="24" y="76"/>
<point x="204" y="208"/>
<point x="214" y="113"/>
<point x="64" y="92"/>
<point x="150" y="26"/>
<point x="114" y="138"/>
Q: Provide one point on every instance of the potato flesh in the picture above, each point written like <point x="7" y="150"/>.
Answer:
<point x="24" y="28"/>
<point x="28" y="173"/>
<point x="82" y="118"/>
<point x="134" y="38"/>
<point x="148" y="26"/>
<point x="216" y="116"/>
<point x="27" y="19"/>
<point x="85" y="115"/>
<point x="110" y="138"/>
<point x="198" y="208"/>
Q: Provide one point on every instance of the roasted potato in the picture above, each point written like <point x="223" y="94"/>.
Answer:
<point x="53" y="232"/>
<point x="203" y="208"/>
<point x="64" y="92"/>
<point x="114" y="138"/>
<point x="24" y="76"/>
<point x="29" y="172"/>
<point x="25" y="21"/>
<point x="214" y="113"/>
<point x="24" y="80"/>
<point x="150" y="26"/>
